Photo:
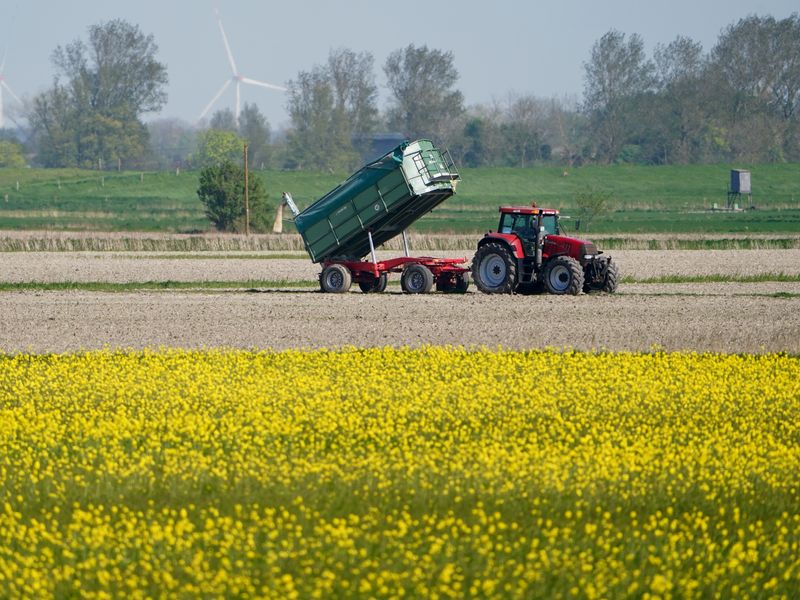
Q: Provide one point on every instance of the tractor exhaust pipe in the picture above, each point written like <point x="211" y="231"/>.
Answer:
<point x="539" y="241"/>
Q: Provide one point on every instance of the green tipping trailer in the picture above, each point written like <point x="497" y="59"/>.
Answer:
<point x="376" y="203"/>
<point x="381" y="199"/>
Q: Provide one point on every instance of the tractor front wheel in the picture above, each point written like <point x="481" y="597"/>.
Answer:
<point x="563" y="275"/>
<point x="494" y="269"/>
<point x="335" y="279"/>
<point x="601" y="281"/>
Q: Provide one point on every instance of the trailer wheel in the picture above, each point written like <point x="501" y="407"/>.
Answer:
<point x="563" y="275"/>
<point x="416" y="279"/>
<point x="494" y="269"/>
<point x="375" y="286"/>
<point x="335" y="279"/>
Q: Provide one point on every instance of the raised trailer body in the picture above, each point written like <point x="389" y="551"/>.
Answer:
<point x="375" y="204"/>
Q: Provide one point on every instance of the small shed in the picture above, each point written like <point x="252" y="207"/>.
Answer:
<point x="740" y="182"/>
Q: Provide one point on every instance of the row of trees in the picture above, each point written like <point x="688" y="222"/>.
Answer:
<point x="738" y="101"/>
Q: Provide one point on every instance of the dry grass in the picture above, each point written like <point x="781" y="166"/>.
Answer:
<point x="45" y="241"/>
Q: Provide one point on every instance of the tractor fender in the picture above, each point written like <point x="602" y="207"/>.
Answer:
<point x="512" y="242"/>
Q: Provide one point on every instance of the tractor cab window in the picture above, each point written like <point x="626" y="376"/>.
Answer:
<point x="523" y="225"/>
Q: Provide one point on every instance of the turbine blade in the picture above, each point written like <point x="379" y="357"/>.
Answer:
<point x="10" y="91"/>
<point x="227" y="45"/>
<point x="269" y="86"/>
<point x="215" y="98"/>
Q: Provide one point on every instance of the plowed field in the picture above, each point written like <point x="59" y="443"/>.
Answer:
<point x="730" y="317"/>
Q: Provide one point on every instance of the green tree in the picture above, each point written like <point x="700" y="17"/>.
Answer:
<point x="92" y="114"/>
<point x="756" y="76"/>
<point x="172" y="142"/>
<point x="617" y="72"/>
<point x="591" y="202"/>
<point x="331" y="108"/>
<point x="424" y="102"/>
<point x="221" y="191"/>
<point x="680" y="113"/>
<point x="223" y="120"/>
<point x="11" y="154"/>
<point x="254" y="128"/>
<point x="215" y="147"/>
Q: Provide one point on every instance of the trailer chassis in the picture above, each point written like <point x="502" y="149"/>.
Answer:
<point x="418" y="274"/>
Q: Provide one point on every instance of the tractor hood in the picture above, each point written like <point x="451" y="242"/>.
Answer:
<point x="565" y="242"/>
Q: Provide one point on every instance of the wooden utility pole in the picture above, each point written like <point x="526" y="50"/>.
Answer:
<point x="246" y="195"/>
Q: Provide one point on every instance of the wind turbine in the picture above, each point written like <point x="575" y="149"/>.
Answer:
<point x="237" y="77"/>
<point x="4" y="86"/>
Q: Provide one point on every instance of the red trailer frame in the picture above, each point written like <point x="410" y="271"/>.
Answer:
<point x="419" y="274"/>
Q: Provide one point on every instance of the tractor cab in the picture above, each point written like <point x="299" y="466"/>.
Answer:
<point x="521" y="220"/>
<point x="525" y="222"/>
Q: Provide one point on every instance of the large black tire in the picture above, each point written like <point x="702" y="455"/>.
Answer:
<point x="563" y="275"/>
<point x="612" y="278"/>
<point x="375" y="286"/>
<point x="609" y="282"/>
<point x="453" y="284"/>
<point x="335" y="279"/>
<point x="494" y="269"/>
<point x="462" y="283"/>
<point x="416" y="279"/>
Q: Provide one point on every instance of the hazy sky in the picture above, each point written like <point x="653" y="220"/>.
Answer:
<point x="500" y="46"/>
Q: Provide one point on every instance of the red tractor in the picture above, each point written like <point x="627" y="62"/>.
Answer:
<point x="529" y="254"/>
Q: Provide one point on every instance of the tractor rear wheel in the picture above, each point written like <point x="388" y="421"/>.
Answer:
<point x="335" y="279"/>
<point x="494" y="269"/>
<point x="563" y="275"/>
<point x="416" y="279"/>
<point x="375" y="286"/>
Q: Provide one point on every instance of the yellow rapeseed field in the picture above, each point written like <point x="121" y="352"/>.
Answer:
<point x="428" y="473"/>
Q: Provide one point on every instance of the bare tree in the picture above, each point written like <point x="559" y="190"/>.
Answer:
<point x="352" y="78"/>
<point x="617" y="72"/>
<point x="424" y="101"/>
<point x="92" y="114"/>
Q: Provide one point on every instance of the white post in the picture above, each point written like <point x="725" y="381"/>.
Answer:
<point x="405" y="244"/>
<point x="371" y="247"/>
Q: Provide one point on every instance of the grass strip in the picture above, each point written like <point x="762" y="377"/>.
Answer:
<point x="102" y="286"/>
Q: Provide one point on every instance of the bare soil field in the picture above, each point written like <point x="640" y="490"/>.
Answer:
<point x="720" y="317"/>
<point x="632" y="320"/>
<point x="124" y="267"/>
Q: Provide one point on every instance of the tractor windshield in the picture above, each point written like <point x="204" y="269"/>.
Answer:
<point x="550" y="223"/>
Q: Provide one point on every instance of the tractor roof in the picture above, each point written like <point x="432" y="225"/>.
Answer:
<point x="528" y="210"/>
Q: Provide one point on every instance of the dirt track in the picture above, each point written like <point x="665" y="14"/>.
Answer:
<point x="716" y="317"/>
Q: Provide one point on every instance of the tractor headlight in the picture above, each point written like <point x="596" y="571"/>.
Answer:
<point x="588" y="251"/>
